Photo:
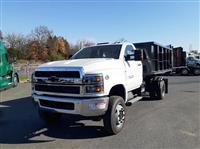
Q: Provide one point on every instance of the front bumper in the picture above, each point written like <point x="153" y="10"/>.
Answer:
<point x="82" y="106"/>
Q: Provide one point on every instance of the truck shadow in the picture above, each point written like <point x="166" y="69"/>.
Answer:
<point x="148" y="99"/>
<point x="20" y="124"/>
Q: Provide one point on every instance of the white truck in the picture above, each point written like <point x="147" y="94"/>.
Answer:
<point x="98" y="82"/>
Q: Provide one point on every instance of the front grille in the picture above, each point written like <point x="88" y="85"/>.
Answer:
<point x="59" y="74"/>
<point x="57" y="105"/>
<point x="58" y="89"/>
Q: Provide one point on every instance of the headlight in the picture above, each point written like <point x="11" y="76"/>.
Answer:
<point x="93" y="78"/>
<point x="94" y="89"/>
<point x="94" y="83"/>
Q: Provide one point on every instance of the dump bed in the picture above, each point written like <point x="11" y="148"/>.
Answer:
<point x="179" y="57"/>
<point x="157" y="59"/>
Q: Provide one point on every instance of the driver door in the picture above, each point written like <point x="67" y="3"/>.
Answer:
<point x="133" y="69"/>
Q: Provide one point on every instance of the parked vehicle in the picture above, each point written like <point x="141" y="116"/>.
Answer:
<point x="98" y="82"/>
<point x="8" y="75"/>
<point x="185" y="65"/>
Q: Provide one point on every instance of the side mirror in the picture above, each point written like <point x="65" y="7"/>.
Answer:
<point x="138" y="55"/>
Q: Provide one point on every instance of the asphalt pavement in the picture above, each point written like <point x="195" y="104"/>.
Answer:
<point x="172" y="123"/>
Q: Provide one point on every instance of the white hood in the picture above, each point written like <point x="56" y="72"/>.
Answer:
<point x="89" y="65"/>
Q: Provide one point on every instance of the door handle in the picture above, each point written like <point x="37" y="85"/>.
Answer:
<point x="139" y="64"/>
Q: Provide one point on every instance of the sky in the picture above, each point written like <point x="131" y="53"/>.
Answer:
<point x="163" y="21"/>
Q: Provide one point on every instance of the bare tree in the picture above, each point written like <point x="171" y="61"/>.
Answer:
<point x="85" y="43"/>
<point x="73" y="49"/>
<point x="80" y="44"/>
<point x="41" y="34"/>
<point x="15" y="41"/>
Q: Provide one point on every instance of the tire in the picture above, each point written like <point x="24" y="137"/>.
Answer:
<point x="152" y="92"/>
<point x="184" y="72"/>
<point x="161" y="91"/>
<point x="49" y="117"/>
<point x="196" y="71"/>
<point x="114" y="118"/>
<point x="158" y="90"/>
<point x="152" y="95"/>
<point x="15" y="80"/>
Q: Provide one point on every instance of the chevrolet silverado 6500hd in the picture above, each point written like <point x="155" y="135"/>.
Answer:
<point x="97" y="83"/>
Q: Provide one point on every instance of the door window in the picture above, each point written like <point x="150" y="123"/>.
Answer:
<point x="129" y="50"/>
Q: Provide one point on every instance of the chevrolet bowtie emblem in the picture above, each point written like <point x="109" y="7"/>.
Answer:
<point x="53" y="79"/>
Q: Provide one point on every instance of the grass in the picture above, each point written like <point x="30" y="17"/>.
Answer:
<point x="23" y="78"/>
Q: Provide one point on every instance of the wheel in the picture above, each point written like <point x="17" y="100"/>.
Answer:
<point x="184" y="72"/>
<point x="196" y="72"/>
<point x="158" y="90"/>
<point x="152" y="94"/>
<point x="49" y="117"/>
<point x="15" y="80"/>
<point x="161" y="91"/>
<point x="114" y="118"/>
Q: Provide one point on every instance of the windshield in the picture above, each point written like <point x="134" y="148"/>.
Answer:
<point x="106" y="51"/>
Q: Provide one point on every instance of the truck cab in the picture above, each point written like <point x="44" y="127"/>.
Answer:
<point x="8" y="76"/>
<point x="97" y="83"/>
<point x="193" y="61"/>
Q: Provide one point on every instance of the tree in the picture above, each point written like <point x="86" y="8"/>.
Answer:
<point x="35" y="51"/>
<point x="60" y="47"/>
<point x="80" y="44"/>
<point x="38" y="45"/>
<point x="15" y="44"/>
<point x="41" y="44"/>
<point x="73" y="49"/>
<point x="41" y="34"/>
<point x="14" y="53"/>
<point x="84" y="43"/>
<point x="15" y="41"/>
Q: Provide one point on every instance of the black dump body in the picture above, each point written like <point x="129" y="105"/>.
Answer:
<point x="157" y="59"/>
<point x="179" y="57"/>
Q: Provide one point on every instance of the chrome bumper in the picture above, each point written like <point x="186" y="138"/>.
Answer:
<point x="82" y="106"/>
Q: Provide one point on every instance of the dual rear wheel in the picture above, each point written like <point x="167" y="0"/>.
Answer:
<point x="158" y="90"/>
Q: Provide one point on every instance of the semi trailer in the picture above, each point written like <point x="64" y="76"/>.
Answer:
<point x="99" y="81"/>
<point x="8" y="75"/>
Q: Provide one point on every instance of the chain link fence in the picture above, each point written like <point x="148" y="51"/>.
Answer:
<point x="25" y="71"/>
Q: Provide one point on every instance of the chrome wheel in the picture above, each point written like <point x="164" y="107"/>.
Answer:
<point x="119" y="115"/>
<point x="15" y="80"/>
<point x="114" y="119"/>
